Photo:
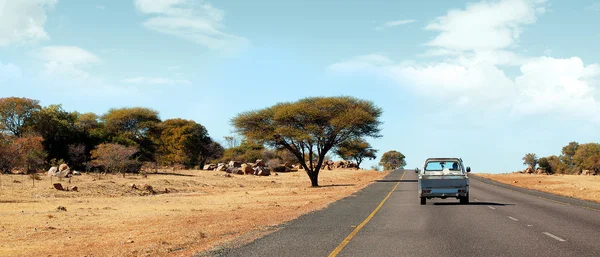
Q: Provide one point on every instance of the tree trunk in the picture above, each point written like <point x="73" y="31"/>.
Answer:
<point x="314" y="178"/>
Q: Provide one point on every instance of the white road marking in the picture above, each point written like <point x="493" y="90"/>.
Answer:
<point x="512" y="218"/>
<point x="491" y="207"/>
<point x="555" y="237"/>
<point x="476" y="200"/>
<point x="530" y="225"/>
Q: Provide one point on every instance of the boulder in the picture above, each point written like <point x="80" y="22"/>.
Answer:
<point x="262" y="171"/>
<point x="53" y="171"/>
<point x="63" y="167"/>
<point x="73" y="188"/>
<point x="76" y="173"/>
<point x="260" y="163"/>
<point x="65" y="173"/>
<point x="235" y="164"/>
<point x="529" y="170"/>
<point x="209" y="167"/>
<point x="221" y="167"/>
<point x="247" y="169"/>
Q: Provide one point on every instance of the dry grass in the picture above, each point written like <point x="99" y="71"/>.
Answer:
<point x="192" y="211"/>
<point x="581" y="187"/>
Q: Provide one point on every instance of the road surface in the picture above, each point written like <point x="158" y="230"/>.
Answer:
<point x="386" y="219"/>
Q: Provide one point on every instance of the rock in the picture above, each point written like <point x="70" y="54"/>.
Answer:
<point x="227" y="175"/>
<point x="77" y="173"/>
<point x="58" y="186"/>
<point x="73" y="188"/>
<point x="585" y="172"/>
<point x="237" y="171"/>
<point x="61" y="208"/>
<point x="53" y="171"/>
<point x="133" y="186"/>
<point x="221" y="167"/>
<point x="260" y="163"/>
<point x="148" y="188"/>
<point x="235" y="164"/>
<point x="63" y="167"/>
<point x="65" y="173"/>
<point x="209" y="167"/>
<point x="247" y="169"/>
<point x="262" y="171"/>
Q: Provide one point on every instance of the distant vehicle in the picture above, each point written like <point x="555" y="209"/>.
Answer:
<point x="443" y="178"/>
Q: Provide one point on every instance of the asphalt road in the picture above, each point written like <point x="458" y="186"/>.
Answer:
<point x="499" y="221"/>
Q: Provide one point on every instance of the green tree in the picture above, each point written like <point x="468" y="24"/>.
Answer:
<point x="544" y="163"/>
<point x="530" y="159"/>
<point x="213" y="151"/>
<point x="311" y="127"/>
<point x="585" y="158"/>
<point x="556" y="165"/>
<point x="137" y="127"/>
<point x="246" y="151"/>
<point x="182" y="142"/>
<point x="58" y="129"/>
<point x="356" y="149"/>
<point x="16" y="113"/>
<point x="568" y="152"/>
<point x="392" y="160"/>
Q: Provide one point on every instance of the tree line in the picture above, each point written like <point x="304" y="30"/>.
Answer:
<point x="574" y="159"/>
<point x="304" y="132"/>
<point x="34" y="137"/>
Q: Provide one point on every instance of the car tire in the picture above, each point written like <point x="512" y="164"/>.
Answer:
<point x="464" y="199"/>
<point x="423" y="200"/>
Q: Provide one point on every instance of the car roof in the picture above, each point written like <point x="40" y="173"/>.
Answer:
<point x="444" y="159"/>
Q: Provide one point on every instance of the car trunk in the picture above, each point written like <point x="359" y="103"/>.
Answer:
<point x="443" y="181"/>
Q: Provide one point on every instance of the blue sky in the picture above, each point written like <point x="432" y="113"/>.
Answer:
<point x="488" y="81"/>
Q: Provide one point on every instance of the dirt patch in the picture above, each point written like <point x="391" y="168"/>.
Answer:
<point x="580" y="187"/>
<point x="189" y="211"/>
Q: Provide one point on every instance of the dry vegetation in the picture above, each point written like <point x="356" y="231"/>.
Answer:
<point x="191" y="211"/>
<point x="581" y="187"/>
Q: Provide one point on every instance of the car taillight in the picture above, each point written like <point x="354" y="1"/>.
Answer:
<point x="426" y="191"/>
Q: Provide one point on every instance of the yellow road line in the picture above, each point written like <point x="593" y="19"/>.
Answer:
<point x="359" y="227"/>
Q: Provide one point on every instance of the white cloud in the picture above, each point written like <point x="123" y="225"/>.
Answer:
<point x="391" y="24"/>
<point x="559" y="85"/>
<point x="485" y="26"/>
<point x="23" y="21"/>
<point x="192" y="20"/>
<point x="155" y="81"/>
<point x="9" y="71"/>
<point x="476" y="44"/>
<point x="67" y="61"/>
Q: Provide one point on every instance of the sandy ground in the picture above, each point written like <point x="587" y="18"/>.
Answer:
<point x="581" y="187"/>
<point x="191" y="211"/>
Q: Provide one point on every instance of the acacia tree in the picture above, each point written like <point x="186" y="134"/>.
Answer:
<point x="356" y="149"/>
<point x="16" y="113"/>
<point x="392" y="160"/>
<point x="311" y="127"/>
<point x="530" y="159"/>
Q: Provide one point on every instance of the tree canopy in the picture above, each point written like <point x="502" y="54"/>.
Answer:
<point x="530" y="159"/>
<point x="356" y="149"/>
<point x="16" y="113"/>
<point x="311" y="127"/>
<point x="392" y="160"/>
